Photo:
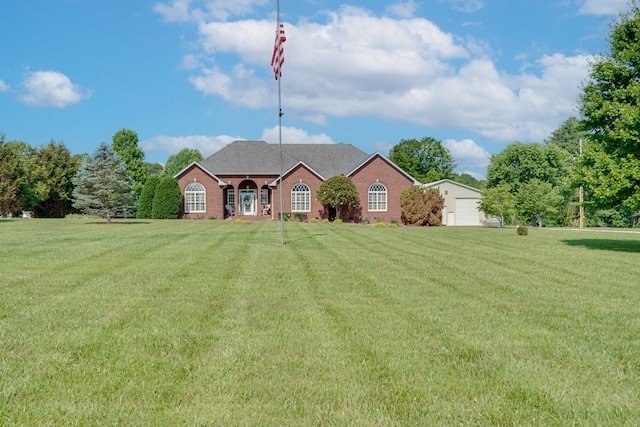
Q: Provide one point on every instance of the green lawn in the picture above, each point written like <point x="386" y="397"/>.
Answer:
<point x="211" y="323"/>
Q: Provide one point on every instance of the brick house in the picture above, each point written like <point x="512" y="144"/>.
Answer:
<point x="242" y="180"/>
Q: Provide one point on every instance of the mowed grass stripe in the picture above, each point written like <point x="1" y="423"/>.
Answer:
<point x="212" y="323"/>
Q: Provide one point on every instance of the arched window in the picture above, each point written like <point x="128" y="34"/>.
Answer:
<point x="377" y="197"/>
<point x="300" y="198"/>
<point x="194" y="200"/>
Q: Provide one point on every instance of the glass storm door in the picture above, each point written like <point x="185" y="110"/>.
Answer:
<point x="247" y="202"/>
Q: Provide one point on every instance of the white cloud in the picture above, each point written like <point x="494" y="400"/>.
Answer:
<point x="602" y="7"/>
<point x="467" y="154"/>
<point x="200" y="10"/>
<point x="207" y="145"/>
<point x="467" y="6"/>
<point x="356" y="64"/>
<point x="3" y="86"/>
<point x="403" y="9"/>
<point x="291" y="135"/>
<point x="51" y="89"/>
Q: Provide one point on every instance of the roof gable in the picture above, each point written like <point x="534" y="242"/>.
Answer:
<point x="451" y="182"/>
<point x="261" y="158"/>
<point x="393" y="165"/>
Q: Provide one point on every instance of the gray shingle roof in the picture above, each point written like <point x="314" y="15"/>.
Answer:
<point x="260" y="158"/>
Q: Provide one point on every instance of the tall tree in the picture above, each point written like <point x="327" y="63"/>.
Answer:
<point x="11" y="176"/>
<point x="520" y="163"/>
<point x="568" y="137"/>
<point x="426" y="160"/>
<point x="610" y="109"/>
<point x="180" y="160"/>
<point x="56" y="169"/>
<point x="102" y="185"/>
<point x="498" y="201"/>
<point x="536" y="199"/>
<point x="337" y="192"/>
<point x="125" y="143"/>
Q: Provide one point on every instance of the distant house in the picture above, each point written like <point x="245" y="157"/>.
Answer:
<point x="460" y="203"/>
<point x="242" y="180"/>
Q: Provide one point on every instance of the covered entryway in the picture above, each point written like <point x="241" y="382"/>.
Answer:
<point x="247" y="202"/>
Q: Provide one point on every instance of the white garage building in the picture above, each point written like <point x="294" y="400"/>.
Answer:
<point x="460" y="203"/>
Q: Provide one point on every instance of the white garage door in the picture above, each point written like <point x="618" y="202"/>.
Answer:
<point x="467" y="212"/>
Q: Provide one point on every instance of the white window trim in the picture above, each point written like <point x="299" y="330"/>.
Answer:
<point x="296" y="202"/>
<point x="376" y="191"/>
<point x="194" y="198"/>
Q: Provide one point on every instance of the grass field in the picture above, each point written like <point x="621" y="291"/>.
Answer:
<point x="211" y="323"/>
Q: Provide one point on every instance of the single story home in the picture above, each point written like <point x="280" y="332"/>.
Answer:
<point x="460" y="203"/>
<point x="242" y="180"/>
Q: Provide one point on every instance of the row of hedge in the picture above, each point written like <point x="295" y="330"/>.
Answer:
<point x="160" y="199"/>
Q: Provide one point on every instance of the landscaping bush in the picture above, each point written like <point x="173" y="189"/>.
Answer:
<point x="313" y="220"/>
<point x="240" y="221"/>
<point x="380" y="225"/>
<point x="145" y="203"/>
<point x="337" y="221"/>
<point x="420" y="206"/>
<point x="167" y="200"/>
<point x="522" y="230"/>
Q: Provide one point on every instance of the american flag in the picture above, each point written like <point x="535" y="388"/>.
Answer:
<point x="277" y="60"/>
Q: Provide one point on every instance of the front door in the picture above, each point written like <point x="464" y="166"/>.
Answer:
<point x="247" y="202"/>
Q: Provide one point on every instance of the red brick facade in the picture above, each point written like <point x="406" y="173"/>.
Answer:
<point x="375" y="170"/>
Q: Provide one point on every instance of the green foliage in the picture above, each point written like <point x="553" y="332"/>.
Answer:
<point x="420" y="206"/>
<point x="522" y="230"/>
<point x="338" y="191"/>
<point x="167" y="200"/>
<point x="154" y="168"/>
<point x="313" y="220"/>
<point x="380" y="225"/>
<point x="537" y="199"/>
<point x="102" y="185"/>
<point x="393" y="225"/>
<point x="337" y="221"/>
<point x="470" y="180"/>
<point x="240" y="221"/>
<point x="568" y="137"/>
<point x="12" y="175"/>
<point x="125" y="143"/>
<point x="520" y="163"/>
<point x="610" y="107"/>
<point x="325" y="221"/>
<point x="298" y="216"/>
<point x="56" y="169"/>
<point x="426" y="160"/>
<point x="181" y="160"/>
<point x="498" y="201"/>
<point x="145" y="201"/>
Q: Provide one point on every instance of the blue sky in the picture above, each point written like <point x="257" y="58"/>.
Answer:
<point x="475" y="74"/>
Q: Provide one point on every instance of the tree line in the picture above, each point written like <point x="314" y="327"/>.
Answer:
<point x="49" y="182"/>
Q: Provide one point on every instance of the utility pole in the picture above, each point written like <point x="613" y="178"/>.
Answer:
<point x="581" y="196"/>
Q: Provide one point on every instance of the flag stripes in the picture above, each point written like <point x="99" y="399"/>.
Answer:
<point x="277" y="60"/>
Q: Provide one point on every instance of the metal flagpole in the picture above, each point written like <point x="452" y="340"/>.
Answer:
<point x="279" y="77"/>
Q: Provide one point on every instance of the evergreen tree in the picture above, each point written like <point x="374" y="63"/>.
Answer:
<point x="167" y="201"/>
<point x="102" y="185"/>
<point x="145" y="202"/>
